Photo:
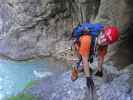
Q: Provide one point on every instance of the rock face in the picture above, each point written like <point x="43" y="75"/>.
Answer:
<point x="30" y="28"/>
<point x="115" y="85"/>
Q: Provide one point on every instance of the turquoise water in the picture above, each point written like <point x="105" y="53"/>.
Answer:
<point x="14" y="76"/>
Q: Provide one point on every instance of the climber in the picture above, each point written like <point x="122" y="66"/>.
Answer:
<point x="89" y="38"/>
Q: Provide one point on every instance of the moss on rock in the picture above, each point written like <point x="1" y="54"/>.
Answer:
<point x="23" y="96"/>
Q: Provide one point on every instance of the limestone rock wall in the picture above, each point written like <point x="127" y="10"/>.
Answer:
<point x="30" y="28"/>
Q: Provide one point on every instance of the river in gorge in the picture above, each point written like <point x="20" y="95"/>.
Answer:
<point x="15" y="75"/>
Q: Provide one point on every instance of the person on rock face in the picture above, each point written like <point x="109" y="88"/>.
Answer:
<point x="83" y="45"/>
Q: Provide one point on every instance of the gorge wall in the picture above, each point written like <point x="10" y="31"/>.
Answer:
<point x="31" y="28"/>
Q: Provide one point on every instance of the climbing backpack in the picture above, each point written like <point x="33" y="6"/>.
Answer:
<point x="90" y="29"/>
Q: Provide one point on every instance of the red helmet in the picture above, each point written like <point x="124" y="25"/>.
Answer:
<point x="111" y="34"/>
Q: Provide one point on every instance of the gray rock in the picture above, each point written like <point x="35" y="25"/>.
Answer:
<point x="36" y="27"/>
<point x="62" y="88"/>
<point x="118" y="89"/>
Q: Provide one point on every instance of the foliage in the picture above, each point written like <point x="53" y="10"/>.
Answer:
<point x="23" y="96"/>
<point x="31" y="83"/>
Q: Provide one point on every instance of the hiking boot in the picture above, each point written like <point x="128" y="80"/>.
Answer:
<point x="99" y="73"/>
<point x="74" y="73"/>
